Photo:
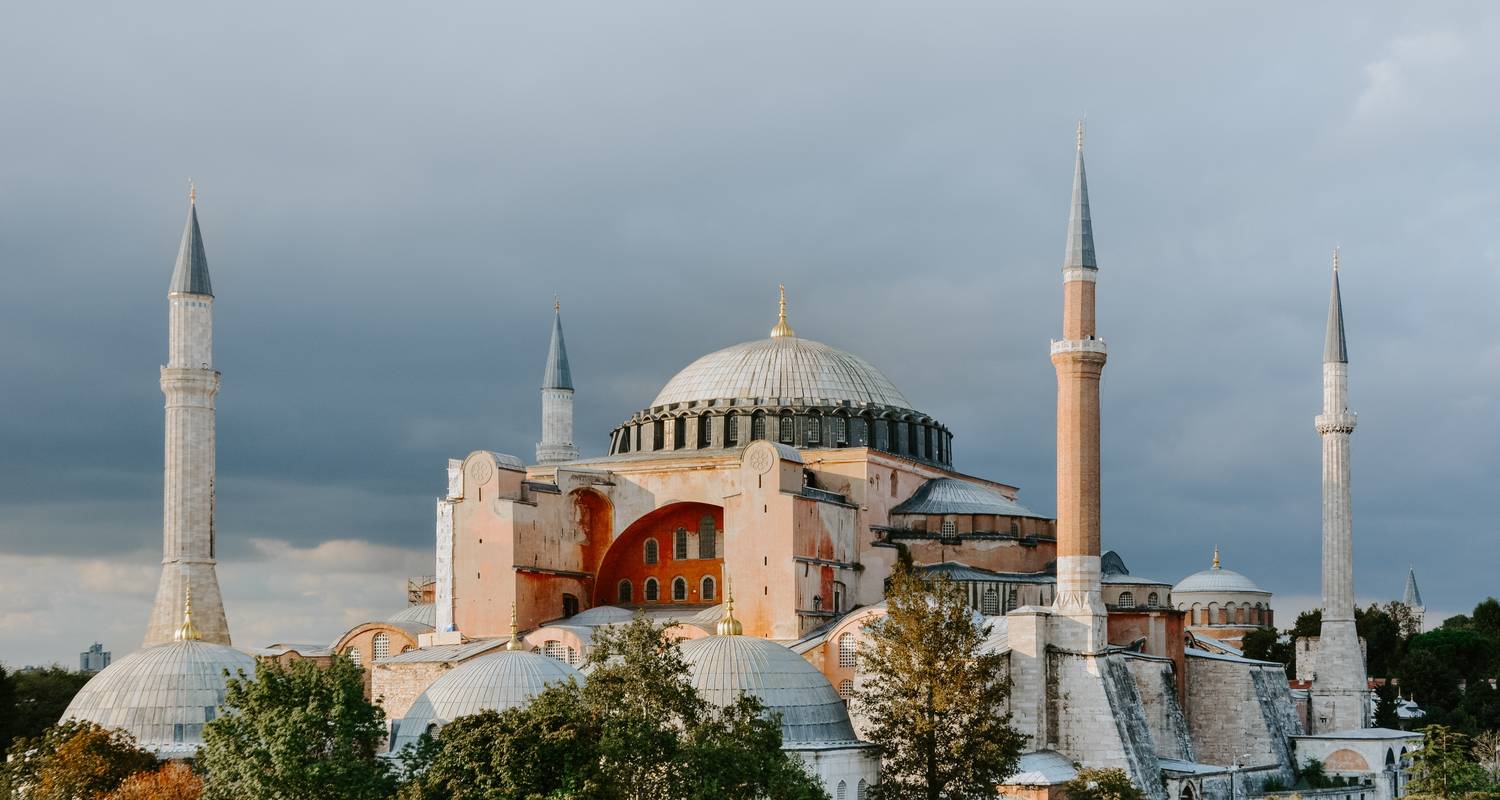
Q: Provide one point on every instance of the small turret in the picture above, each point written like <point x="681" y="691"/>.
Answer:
<point x="556" y="446"/>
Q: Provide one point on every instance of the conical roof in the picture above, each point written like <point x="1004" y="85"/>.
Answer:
<point x="557" y="375"/>
<point x="1080" y="249"/>
<point x="191" y="273"/>
<point x="1412" y="597"/>
<point x="1335" y="350"/>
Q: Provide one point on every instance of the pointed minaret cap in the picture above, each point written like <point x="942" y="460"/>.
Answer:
<point x="728" y="625"/>
<point x="1079" y="253"/>
<point x="514" y="645"/>
<point x="190" y="276"/>
<point x="1216" y="557"/>
<point x="186" y="632"/>
<point x="557" y="375"/>
<point x="1335" y="350"/>
<point x="1412" y="597"/>
<point x="782" y="328"/>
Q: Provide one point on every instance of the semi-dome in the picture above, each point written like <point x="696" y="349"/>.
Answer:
<point x="162" y="695"/>
<point x="499" y="681"/>
<point x="418" y="613"/>
<point x="725" y="667"/>
<point x="785" y="368"/>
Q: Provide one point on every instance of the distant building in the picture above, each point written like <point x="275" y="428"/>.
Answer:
<point x="93" y="659"/>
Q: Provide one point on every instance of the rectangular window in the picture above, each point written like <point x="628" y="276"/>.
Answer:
<point x="680" y="550"/>
<point x="707" y="544"/>
<point x="837" y="431"/>
<point x="656" y="435"/>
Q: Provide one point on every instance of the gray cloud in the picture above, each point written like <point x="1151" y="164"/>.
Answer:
<point x="391" y="196"/>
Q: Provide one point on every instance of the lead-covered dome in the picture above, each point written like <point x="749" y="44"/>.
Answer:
<point x="1216" y="580"/>
<point x="162" y="695"/>
<point x="494" y="682"/>
<point x="782" y="369"/>
<point x="725" y="667"/>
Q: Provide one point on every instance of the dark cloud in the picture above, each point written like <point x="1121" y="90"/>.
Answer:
<point x="391" y="195"/>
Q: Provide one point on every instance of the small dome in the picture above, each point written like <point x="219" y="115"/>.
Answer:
<point x="421" y="614"/>
<point x="600" y="615"/>
<point x="498" y="681"/>
<point x="954" y="496"/>
<point x="162" y="695"/>
<point x="724" y="667"/>
<point x="1217" y="580"/>
<point x="783" y="367"/>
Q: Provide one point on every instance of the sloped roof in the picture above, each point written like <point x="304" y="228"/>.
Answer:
<point x="190" y="275"/>
<point x="954" y="496"/>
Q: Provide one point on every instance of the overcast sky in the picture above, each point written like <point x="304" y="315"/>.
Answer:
<point x="391" y="194"/>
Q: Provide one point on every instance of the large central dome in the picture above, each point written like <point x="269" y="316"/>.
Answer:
<point x="782" y="369"/>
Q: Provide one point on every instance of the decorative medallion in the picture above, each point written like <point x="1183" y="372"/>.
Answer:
<point x="760" y="459"/>
<point x="481" y="470"/>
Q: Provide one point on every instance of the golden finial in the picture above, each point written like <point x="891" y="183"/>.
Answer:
<point x="1335" y="258"/>
<point x="192" y="193"/>
<point x="1216" y="556"/>
<point x="556" y="305"/>
<point x="186" y="632"/>
<point x="728" y="625"/>
<point x="515" y="637"/>
<point x="782" y="328"/>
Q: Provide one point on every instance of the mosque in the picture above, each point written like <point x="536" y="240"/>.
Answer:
<point x="786" y="464"/>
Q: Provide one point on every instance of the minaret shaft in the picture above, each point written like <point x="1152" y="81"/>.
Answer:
<point x="190" y="384"/>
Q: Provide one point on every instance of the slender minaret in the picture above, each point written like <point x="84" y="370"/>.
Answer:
<point x="1339" y="689"/>
<point x="1079" y="358"/>
<point x="1412" y="598"/>
<point x="556" y="445"/>
<point x="190" y="383"/>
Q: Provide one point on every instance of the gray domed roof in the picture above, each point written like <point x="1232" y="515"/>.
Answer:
<point x="420" y="613"/>
<point x="162" y="695"/>
<point x="724" y="667"/>
<point x="600" y="615"/>
<point x="783" y="367"/>
<point x="498" y="681"/>
<point x="1217" y="580"/>
<point x="954" y="496"/>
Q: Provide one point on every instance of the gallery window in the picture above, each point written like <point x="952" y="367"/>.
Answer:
<point x="652" y="556"/>
<point x="652" y="593"/>
<point x="708" y="589"/>
<point x="623" y="592"/>
<point x="679" y="589"/>
<point x="382" y="646"/>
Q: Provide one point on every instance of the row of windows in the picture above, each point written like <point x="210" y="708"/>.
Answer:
<point x="842" y="791"/>
<point x="380" y="647"/>
<point x="1127" y="600"/>
<point x="708" y="545"/>
<point x="707" y="590"/>
<point x="1230" y="614"/>
<point x="909" y="437"/>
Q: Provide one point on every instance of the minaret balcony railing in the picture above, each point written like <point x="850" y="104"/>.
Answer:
<point x="1078" y="346"/>
<point x="1337" y="423"/>
<point x="1089" y="274"/>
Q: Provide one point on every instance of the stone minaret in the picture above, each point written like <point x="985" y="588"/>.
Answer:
<point x="190" y="383"/>
<point x="1412" y="598"/>
<point x="1079" y="358"/>
<point x="1339" y="689"/>
<point x="556" y="445"/>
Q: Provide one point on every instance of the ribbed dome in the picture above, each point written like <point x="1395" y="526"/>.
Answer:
<point x="725" y="667"/>
<point x="507" y="679"/>
<point x="1216" y="580"/>
<point x="600" y="615"/>
<point x="162" y="695"/>
<point x="420" y="613"/>
<point x="783" y="367"/>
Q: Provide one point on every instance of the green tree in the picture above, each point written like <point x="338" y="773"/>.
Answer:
<point x="1266" y="644"/>
<point x="1443" y="767"/>
<point x="1457" y="622"/>
<point x="936" y="703"/>
<point x="1486" y="618"/>
<point x="1385" y="706"/>
<point x="38" y="699"/>
<point x="1383" y="641"/>
<point x="1486" y="752"/>
<point x="296" y="731"/>
<point x="72" y="760"/>
<point x="1102" y="784"/>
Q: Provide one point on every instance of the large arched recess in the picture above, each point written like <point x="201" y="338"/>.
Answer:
<point x="626" y="557"/>
<point x="594" y="518"/>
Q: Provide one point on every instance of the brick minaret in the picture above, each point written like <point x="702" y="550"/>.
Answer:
<point x="1340" y="695"/>
<point x="1079" y="358"/>
<point x="556" y="445"/>
<point x="190" y="383"/>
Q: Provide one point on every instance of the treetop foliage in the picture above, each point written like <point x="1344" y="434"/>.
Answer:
<point x="72" y="760"/>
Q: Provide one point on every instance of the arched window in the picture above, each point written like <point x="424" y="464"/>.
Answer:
<point x="652" y="593"/>
<point x="679" y="547"/>
<point x="838" y="431"/>
<point x="812" y="431"/>
<point x="950" y="528"/>
<point x="652" y="556"/>
<point x="758" y="427"/>
<point x="1153" y="600"/>
<point x="1213" y="613"/>
<point x="859" y="432"/>
<point x="731" y="429"/>
<point x="555" y="649"/>
<point x="893" y="436"/>
<point x="989" y="603"/>
<point x="705" y="430"/>
<point x="707" y="541"/>
<point x="407" y="648"/>
<point x="381" y="646"/>
<point x="842" y="793"/>
<point x="679" y="433"/>
<point x="570" y="605"/>
<point x="1014" y="599"/>
<point x="353" y="653"/>
<point x="786" y="433"/>
<point x="860" y="792"/>
<point x="708" y="589"/>
<point x="1127" y="600"/>
<point x="679" y="589"/>
<point x="625" y="440"/>
<point x="657" y="434"/>
<point x="927" y="441"/>
<point x="838" y="597"/>
<point x="848" y="649"/>
<point x="623" y="592"/>
<point x="911" y="438"/>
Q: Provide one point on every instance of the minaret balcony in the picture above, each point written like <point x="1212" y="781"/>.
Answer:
<point x="1079" y="346"/>
<point x="1337" y="423"/>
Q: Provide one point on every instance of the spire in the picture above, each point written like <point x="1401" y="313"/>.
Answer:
<point x="514" y="644"/>
<point x="1334" y="349"/>
<point x="728" y="625"/>
<point x="1080" y="250"/>
<point x="1216" y="557"/>
<point x="187" y="632"/>
<point x="557" y="374"/>
<point x="191" y="274"/>
<point x="1412" y="597"/>
<point x="782" y="328"/>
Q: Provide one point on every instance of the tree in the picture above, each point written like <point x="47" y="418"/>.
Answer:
<point x="1457" y="621"/>
<point x="937" y="705"/>
<point x="1442" y="767"/>
<point x="296" y="731"/>
<point x="1487" y="752"/>
<point x="1102" y="784"/>
<point x="1383" y="642"/>
<point x="39" y="698"/>
<point x="1486" y="618"/>
<point x="72" y="760"/>
<point x="1385" y="706"/>
<point x="174" y="780"/>
<point x="1265" y="644"/>
<point x="635" y="730"/>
